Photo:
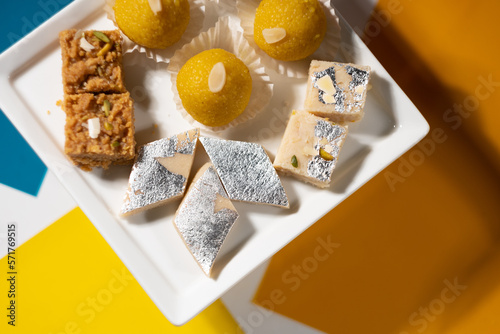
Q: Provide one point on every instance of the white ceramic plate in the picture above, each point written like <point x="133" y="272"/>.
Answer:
<point x="30" y="85"/>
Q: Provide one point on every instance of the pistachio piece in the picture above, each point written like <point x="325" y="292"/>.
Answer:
<point x="294" y="161"/>
<point x="217" y="78"/>
<point x="273" y="35"/>
<point x="325" y="83"/>
<point x="102" y="36"/>
<point x="115" y="144"/>
<point x="105" y="49"/>
<point x="108" y="126"/>
<point x="106" y="107"/>
<point x="325" y="155"/>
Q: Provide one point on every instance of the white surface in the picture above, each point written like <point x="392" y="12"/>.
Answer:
<point x="32" y="214"/>
<point x="254" y="319"/>
<point x="148" y="243"/>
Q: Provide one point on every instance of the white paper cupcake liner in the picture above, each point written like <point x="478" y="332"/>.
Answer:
<point x="225" y="36"/>
<point x="197" y="16"/>
<point x="293" y="69"/>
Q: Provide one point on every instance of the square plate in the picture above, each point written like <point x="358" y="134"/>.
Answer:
<point x="30" y="82"/>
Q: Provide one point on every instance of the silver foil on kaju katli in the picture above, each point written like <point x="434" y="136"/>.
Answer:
<point x="330" y="138"/>
<point x="346" y="99"/>
<point x="205" y="217"/>
<point x="246" y="171"/>
<point x="151" y="183"/>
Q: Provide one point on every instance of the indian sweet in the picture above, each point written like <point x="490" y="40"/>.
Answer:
<point x="155" y="24"/>
<point x="214" y="87"/>
<point x="92" y="61"/>
<point x="246" y="171"/>
<point x="99" y="129"/>
<point x="337" y="90"/>
<point x="310" y="148"/>
<point x="205" y="217"/>
<point x="289" y="30"/>
<point x="160" y="173"/>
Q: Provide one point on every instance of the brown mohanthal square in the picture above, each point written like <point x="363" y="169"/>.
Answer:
<point x="98" y="70"/>
<point x="115" y="142"/>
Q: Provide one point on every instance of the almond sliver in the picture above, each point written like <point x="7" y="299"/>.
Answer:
<point x="309" y="150"/>
<point x="325" y="83"/>
<point x="94" y="127"/>
<point x="84" y="44"/>
<point x="217" y="78"/>
<point x="273" y="35"/>
<point x="328" y="98"/>
<point x="155" y="6"/>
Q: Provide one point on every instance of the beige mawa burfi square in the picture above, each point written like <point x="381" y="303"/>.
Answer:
<point x="310" y="148"/>
<point x="337" y="90"/>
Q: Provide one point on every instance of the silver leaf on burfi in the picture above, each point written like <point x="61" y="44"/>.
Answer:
<point x="335" y="134"/>
<point x="339" y="96"/>
<point x="202" y="227"/>
<point x="356" y="87"/>
<point x="150" y="183"/>
<point x="246" y="171"/>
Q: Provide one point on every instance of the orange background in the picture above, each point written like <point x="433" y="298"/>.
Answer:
<point x="431" y="219"/>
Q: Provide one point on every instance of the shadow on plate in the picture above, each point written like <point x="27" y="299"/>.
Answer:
<point x="343" y="176"/>
<point x="236" y="239"/>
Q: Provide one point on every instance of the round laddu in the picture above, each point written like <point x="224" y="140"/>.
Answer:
<point x="208" y="107"/>
<point x="137" y="21"/>
<point x="303" y="20"/>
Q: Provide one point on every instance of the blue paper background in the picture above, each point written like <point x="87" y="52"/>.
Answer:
<point x="21" y="168"/>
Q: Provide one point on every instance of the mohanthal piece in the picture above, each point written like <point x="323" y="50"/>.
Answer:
<point x="246" y="171"/>
<point x="310" y="147"/>
<point x="160" y="172"/>
<point x="205" y="217"/>
<point x="99" y="111"/>
<point x="99" y="130"/>
<point x="92" y="62"/>
<point x="337" y="90"/>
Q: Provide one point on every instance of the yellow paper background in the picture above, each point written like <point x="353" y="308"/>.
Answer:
<point x="70" y="281"/>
